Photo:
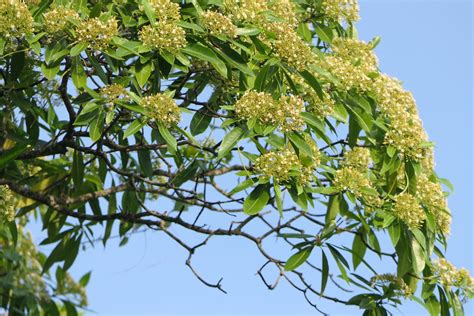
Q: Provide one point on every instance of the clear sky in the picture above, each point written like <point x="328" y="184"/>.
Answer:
<point x="428" y="45"/>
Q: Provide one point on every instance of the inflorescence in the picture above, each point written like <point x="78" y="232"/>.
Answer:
<point x="7" y="204"/>
<point x="162" y="108"/>
<point x="284" y="113"/>
<point x="97" y="33"/>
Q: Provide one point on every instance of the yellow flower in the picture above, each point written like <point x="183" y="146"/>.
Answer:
<point x="58" y="19"/>
<point x="7" y="204"/>
<point x="284" y="113"/>
<point x="284" y="165"/>
<point x="97" y="33"/>
<point x="408" y="210"/>
<point x="450" y="276"/>
<point x="288" y="114"/>
<point x="285" y="10"/>
<point x="218" y="24"/>
<point x="15" y="19"/>
<point x="246" y="10"/>
<point x="358" y="158"/>
<point x="432" y="196"/>
<point x="290" y="47"/>
<point x="401" y="288"/>
<point x="358" y="52"/>
<point x="113" y="93"/>
<point x="165" y="9"/>
<point x="352" y="180"/>
<point x="406" y="131"/>
<point x="164" y="35"/>
<point x="341" y="10"/>
<point x="162" y="108"/>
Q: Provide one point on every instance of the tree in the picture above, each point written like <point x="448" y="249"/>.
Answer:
<point x="213" y="118"/>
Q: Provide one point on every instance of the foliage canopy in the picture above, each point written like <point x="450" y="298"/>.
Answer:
<point x="208" y="116"/>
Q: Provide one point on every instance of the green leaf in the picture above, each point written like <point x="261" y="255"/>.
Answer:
<point x="78" y="74"/>
<point x="200" y="121"/>
<point x="278" y="198"/>
<point x="242" y="186"/>
<point x="301" y="144"/>
<point x="313" y="82"/>
<point x="169" y="139"/>
<point x="71" y="249"/>
<point x="418" y="256"/>
<point x="324" y="271"/>
<point x="97" y="126"/>
<point x="234" y="59"/>
<point x="256" y="200"/>
<point x="324" y="33"/>
<point x="358" y="250"/>
<point x="143" y="72"/>
<point x="205" y="53"/>
<point x="186" y="174"/>
<point x="145" y="162"/>
<point x="50" y="70"/>
<point x="12" y="153"/>
<point x="360" y="120"/>
<point x="341" y="262"/>
<point x="133" y="128"/>
<point x="248" y="31"/>
<point x="333" y="209"/>
<point x="77" y="168"/>
<point x="84" y="280"/>
<point x="55" y="256"/>
<point x="259" y="84"/>
<point x="149" y="12"/>
<point x="298" y="259"/>
<point x="112" y="209"/>
<point x="78" y="48"/>
<point x="229" y="141"/>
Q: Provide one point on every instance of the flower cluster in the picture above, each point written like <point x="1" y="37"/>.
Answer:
<point x="284" y="165"/>
<point x="280" y="165"/>
<point x="164" y="35"/>
<point x="352" y="62"/>
<point x="341" y="10"/>
<point x="69" y="285"/>
<point x="431" y="195"/>
<point x="408" y="210"/>
<point x="351" y="180"/>
<point x="400" y="287"/>
<point x="309" y="163"/>
<point x="162" y="108"/>
<point x="450" y="276"/>
<point x="288" y="113"/>
<point x="285" y="10"/>
<point x="15" y="19"/>
<point x="321" y="107"/>
<point x="97" y="33"/>
<point x="7" y="204"/>
<point x="399" y="107"/>
<point x="58" y="19"/>
<point x="284" y="113"/>
<point x="358" y="52"/>
<point x="353" y="176"/>
<point x="357" y="158"/>
<point x="32" y="2"/>
<point x="114" y="93"/>
<point x="165" y="9"/>
<point x="218" y="24"/>
<point x="290" y="47"/>
<point x="246" y="10"/>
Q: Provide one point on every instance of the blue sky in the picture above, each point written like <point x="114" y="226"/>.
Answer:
<point x="426" y="44"/>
